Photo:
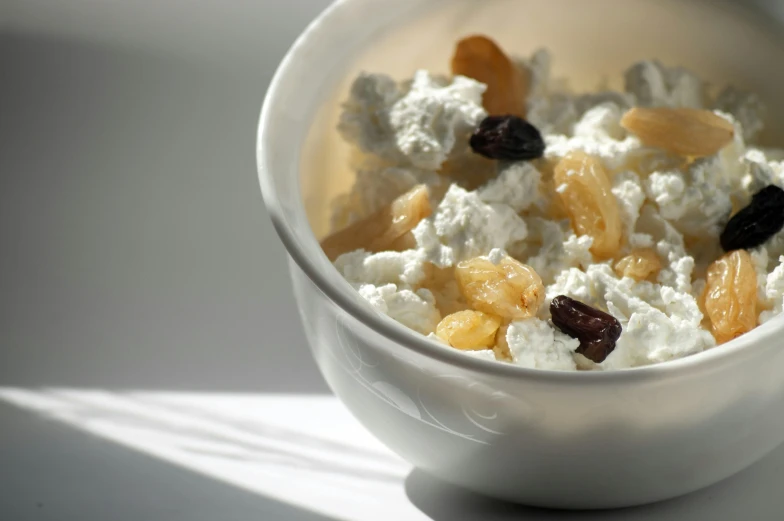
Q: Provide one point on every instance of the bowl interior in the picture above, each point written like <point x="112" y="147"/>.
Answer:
<point x="303" y="163"/>
<point x="592" y="42"/>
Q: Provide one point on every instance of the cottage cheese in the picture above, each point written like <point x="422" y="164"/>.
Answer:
<point x="659" y="322"/>
<point x="516" y="186"/>
<point x="745" y="107"/>
<point x="414" y="309"/>
<point x="535" y="344"/>
<point x="417" y="124"/>
<point x="407" y="131"/>
<point x="464" y="227"/>
<point x="655" y="85"/>
<point x="615" y="154"/>
<point x="628" y="190"/>
<point x="696" y="203"/>
<point x="386" y="267"/>
<point x="553" y="247"/>
<point x="774" y="292"/>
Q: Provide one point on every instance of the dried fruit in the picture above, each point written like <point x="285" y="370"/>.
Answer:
<point x="469" y="171"/>
<point x="596" y="330"/>
<point x="407" y="241"/>
<point x="584" y="188"/>
<point x="550" y="205"/>
<point x="507" y="137"/>
<point x="756" y="223"/>
<point x="682" y="131"/>
<point x="469" y="330"/>
<point x="442" y="284"/>
<point x="510" y="289"/>
<point x="501" y="348"/>
<point x="382" y="229"/>
<point x="701" y="295"/>
<point x="480" y="58"/>
<point x="731" y="296"/>
<point x="640" y="264"/>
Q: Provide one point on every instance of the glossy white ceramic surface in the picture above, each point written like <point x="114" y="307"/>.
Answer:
<point x="570" y="440"/>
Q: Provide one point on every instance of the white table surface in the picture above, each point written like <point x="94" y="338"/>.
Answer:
<point x="151" y="363"/>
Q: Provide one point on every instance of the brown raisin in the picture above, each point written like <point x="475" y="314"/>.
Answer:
<point x="756" y="223"/>
<point x="507" y="137"/>
<point x="596" y="330"/>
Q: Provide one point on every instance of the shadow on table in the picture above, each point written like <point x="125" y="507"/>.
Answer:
<point x="740" y="497"/>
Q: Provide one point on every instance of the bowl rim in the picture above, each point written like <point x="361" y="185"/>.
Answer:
<point x="342" y="294"/>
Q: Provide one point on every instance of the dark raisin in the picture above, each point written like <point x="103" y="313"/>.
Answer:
<point x="507" y="137"/>
<point x="596" y="330"/>
<point x="758" y="222"/>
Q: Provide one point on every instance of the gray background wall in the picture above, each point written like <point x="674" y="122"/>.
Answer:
<point x="135" y="251"/>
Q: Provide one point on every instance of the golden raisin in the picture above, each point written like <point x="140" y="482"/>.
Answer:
<point x="552" y="205"/>
<point x="442" y="284"/>
<point x="480" y="58"/>
<point x="510" y="289"/>
<point x="731" y="296"/>
<point x="701" y="296"/>
<point x="585" y="191"/>
<point x="501" y="348"/>
<point x="407" y="241"/>
<point x="468" y="330"/>
<point x="383" y="229"/>
<point x="683" y="131"/>
<point x="640" y="264"/>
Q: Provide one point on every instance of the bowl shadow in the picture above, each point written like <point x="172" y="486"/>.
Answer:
<point x="752" y="494"/>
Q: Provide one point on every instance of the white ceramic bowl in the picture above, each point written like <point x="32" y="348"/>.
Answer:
<point x="570" y="440"/>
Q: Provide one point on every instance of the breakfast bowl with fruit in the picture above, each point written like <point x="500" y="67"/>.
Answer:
<point x="553" y="284"/>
